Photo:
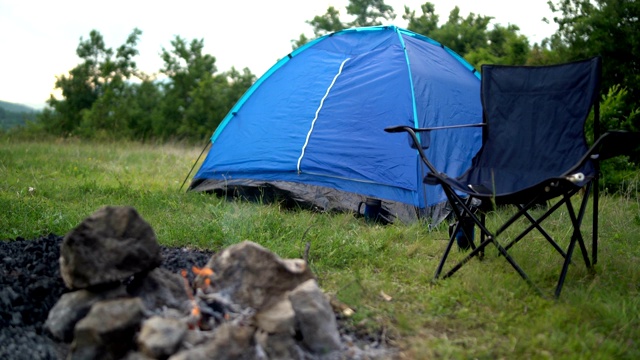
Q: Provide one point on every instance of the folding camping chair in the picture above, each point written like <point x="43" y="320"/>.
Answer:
<point x="533" y="151"/>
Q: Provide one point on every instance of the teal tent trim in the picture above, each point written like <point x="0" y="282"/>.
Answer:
<point x="256" y="85"/>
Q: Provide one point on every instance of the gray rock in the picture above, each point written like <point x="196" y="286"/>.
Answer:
<point x="108" y="331"/>
<point x="315" y="319"/>
<point x="278" y="318"/>
<point x="159" y="338"/>
<point x="72" y="307"/>
<point x="110" y="245"/>
<point x="161" y="288"/>
<point x="253" y="276"/>
<point x="281" y="346"/>
<point x="229" y="342"/>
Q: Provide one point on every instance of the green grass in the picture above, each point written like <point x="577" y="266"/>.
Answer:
<point x="484" y="311"/>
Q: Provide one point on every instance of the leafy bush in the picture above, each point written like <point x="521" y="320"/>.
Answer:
<point x="621" y="172"/>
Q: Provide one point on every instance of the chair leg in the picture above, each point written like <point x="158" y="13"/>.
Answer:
<point x="475" y="252"/>
<point x="565" y="267"/>
<point x="483" y="218"/>
<point x="446" y="253"/>
<point x="456" y="201"/>
<point x="502" y="251"/>
<point x="536" y="224"/>
<point x="487" y="237"/>
<point x="596" y="196"/>
<point x="576" y="237"/>
<point x="577" y="224"/>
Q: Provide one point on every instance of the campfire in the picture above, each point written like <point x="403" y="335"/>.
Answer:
<point x="245" y="303"/>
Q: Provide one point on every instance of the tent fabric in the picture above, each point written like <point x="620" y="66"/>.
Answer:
<point x="312" y="127"/>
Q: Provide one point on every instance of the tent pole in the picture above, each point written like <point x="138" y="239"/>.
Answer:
<point x="194" y="164"/>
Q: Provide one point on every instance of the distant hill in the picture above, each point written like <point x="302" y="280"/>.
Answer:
<point x="17" y="108"/>
<point x="12" y="114"/>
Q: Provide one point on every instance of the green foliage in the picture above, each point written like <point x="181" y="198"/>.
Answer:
<point x="196" y="99"/>
<point x="504" y="46"/>
<point x="619" y="173"/>
<point x="470" y="37"/>
<point x="211" y="99"/>
<point x="327" y="23"/>
<point x="426" y="23"/>
<point x="107" y="97"/>
<point x="93" y="89"/>
<point x="187" y="69"/>
<point x="613" y="115"/>
<point x="363" y="12"/>
<point x="609" y="28"/>
<point x="369" y="12"/>
<point x="484" y="311"/>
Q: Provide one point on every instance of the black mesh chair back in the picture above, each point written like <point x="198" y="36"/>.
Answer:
<point x="534" y="129"/>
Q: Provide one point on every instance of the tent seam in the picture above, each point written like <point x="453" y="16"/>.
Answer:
<point x="234" y="110"/>
<point x="313" y="122"/>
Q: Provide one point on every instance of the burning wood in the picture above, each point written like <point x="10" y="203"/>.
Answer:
<point x="194" y="316"/>
<point x="204" y="273"/>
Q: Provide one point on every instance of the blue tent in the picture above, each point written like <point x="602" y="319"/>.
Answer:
<point x="311" y="128"/>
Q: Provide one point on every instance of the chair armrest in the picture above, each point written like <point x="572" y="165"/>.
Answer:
<point x="401" y="128"/>
<point x="426" y="142"/>
<point x="610" y="144"/>
<point x="615" y="143"/>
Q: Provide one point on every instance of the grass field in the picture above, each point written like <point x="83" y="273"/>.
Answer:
<point x="485" y="311"/>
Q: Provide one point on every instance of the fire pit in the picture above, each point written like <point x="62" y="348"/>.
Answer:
<point x="117" y="294"/>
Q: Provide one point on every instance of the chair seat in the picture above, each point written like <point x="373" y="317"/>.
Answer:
<point x="545" y="190"/>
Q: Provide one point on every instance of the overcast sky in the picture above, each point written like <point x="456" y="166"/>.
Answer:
<point x="38" y="39"/>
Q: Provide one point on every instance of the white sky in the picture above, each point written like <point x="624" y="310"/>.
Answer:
<point x="38" y="38"/>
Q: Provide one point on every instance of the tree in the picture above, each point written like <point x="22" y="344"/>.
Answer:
<point x="196" y="98"/>
<point x="327" y="23"/>
<point x="105" y="96"/>
<point x="469" y="36"/>
<point x="504" y="46"/>
<point x="145" y="103"/>
<point x="212" y="100"/>
<point x="102" y="73"/>
<point x="369" y="12"/>
<point x="187" y="67"/>
<point x="364" y="13"/>
<point x="425" y="24"/>
<point x="610" y="28"/>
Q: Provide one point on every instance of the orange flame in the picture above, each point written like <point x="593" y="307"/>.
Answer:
<point x="205" y="271"/>
<point x="195" y="310"/>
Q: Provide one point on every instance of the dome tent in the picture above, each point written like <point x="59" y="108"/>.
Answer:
<point x="311" y="129"/>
